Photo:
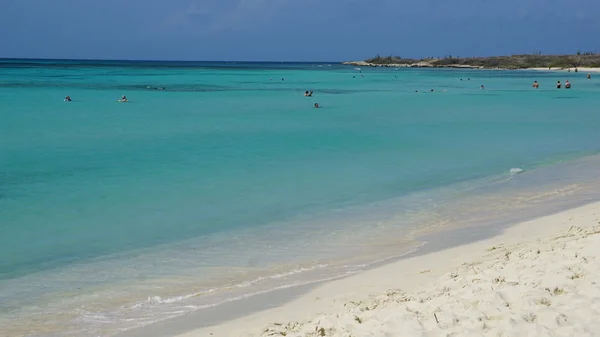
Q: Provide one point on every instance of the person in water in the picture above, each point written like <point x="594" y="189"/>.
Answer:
<point x="316" y="105"/>
<point x="558" y="85"/>
<point x="567" y="85"/>
<point x="589" y="76"/>
<point x="536" y="84"/>
<point x="124" y="99"/>
<point x="310" y="94"/>
<point x="306" y="93"/>
<point x="68" y="99"/>
<point x="482" y="87"/>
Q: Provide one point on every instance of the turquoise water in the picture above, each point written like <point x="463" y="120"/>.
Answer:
<point x="230" y="175"/>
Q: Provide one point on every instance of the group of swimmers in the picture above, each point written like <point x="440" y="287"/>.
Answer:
<point x="309" y="94"/>
<point x="122" y="100"/>
<point x="558" y="85"/>
<point x="316" y="105"/>
<point x="567" y="85"/>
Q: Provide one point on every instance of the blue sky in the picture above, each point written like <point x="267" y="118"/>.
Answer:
<point x="293" y="30"/>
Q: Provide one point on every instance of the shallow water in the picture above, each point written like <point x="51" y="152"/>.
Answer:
<point x="227" y="181"/>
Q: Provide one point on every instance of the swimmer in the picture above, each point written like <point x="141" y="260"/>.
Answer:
<point x="123" y="99"/>
<point x="558" y="85"/>
<point x="310" y="94"/>
<point x="567" y="85"/>
<point x="316" y="105"/>
<point x="589" y="76"/>
<point x="306" y="93"/>
<point x="536" y="84"/>
<point x="68" y="99"/>
<point x="482" y="87"/>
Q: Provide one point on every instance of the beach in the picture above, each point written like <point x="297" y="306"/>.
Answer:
<point x="580" y="70"/>
<point x="537" y="278"/>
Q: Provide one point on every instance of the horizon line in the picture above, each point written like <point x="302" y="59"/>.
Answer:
<point x="150" y="60"/>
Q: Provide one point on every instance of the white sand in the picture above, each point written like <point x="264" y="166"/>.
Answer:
<point x="538" y="278"/>
<point x="581" y="71"/>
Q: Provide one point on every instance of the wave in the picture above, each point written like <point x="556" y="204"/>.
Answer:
<point x="160" y="300"/>
<point x="516" y="170"/>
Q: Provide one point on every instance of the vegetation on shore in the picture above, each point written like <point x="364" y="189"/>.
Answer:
<point x="537" y="60"/>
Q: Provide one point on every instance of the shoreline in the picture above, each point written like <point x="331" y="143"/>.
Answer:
<point x="334" y="305"/>
<point x="247" y="311"/>
<point x="460" y="66"/>
<point x="406" y="65"/>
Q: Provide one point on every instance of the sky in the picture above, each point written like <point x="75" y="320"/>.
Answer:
<point x="293" y="30"/>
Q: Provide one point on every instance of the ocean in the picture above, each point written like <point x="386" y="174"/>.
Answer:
<point x="220" y="180"/>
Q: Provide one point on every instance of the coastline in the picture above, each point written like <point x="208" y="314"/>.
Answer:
<point x="408" y="65"/>
<point x="582" y="70"/>
<point x="297" y="302"/>
<point x="378" y="299"/>
<point x="251" y="315"/>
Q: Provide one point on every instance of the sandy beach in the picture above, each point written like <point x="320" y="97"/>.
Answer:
<point x="581" y="70"/>
<point x="537" y="278"/>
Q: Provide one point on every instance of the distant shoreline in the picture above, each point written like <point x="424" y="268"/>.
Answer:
<point x="580" y="62"/>
<point x="406" y="65"/>
<point x="461" y="66"/>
